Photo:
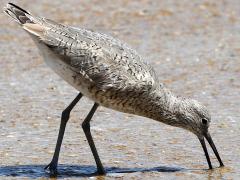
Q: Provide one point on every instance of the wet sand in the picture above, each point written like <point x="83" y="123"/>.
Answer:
<point x="195" y="50"/>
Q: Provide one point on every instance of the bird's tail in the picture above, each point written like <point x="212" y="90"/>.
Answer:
<point x="31" y="24"/>
<point x="18" y="14"/>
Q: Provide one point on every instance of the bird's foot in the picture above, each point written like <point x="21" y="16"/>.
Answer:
<point x="52" y="167"/>
<point x="101" y="171"/>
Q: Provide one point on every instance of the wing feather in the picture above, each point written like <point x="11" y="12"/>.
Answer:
<point x="105" y="61"/>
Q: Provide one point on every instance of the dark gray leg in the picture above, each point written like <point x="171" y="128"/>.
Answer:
<point x="64" y="119"/>
<point x="86" y="129"/>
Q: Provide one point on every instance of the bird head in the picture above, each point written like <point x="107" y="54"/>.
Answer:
<point x="195" y="117"/>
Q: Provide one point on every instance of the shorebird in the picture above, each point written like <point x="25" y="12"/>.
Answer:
<point x="113" y="75"/>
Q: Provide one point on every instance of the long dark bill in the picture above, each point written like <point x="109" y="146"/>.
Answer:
<point x="210" y="141"/>
<point x="202" y="141"/>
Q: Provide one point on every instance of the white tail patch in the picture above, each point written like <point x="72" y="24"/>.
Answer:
<point x="35" y="29"/>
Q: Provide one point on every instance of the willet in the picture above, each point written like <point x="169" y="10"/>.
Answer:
<point x="111" y="74"/>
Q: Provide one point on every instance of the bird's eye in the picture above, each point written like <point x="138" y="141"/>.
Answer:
<point x="204" y="121"/>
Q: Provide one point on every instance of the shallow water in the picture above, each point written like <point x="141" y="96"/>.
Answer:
<point x="195" y="50"/>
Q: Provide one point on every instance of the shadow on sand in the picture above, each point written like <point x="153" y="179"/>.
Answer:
<point x="37" y="171"/>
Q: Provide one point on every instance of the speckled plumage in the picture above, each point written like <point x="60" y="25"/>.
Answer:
<point x="107" y="71"/>
<point x="111" y="74"/>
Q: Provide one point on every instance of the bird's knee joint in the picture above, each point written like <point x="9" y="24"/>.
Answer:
<point x="65" y="115"/>
<point x="86" y="126"/>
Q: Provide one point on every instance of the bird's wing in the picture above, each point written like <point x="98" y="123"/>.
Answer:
<point x="119" y="63"/>
<point x="102" y="59"/>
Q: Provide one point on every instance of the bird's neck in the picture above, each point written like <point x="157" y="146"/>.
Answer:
<point x="161" y="105"/>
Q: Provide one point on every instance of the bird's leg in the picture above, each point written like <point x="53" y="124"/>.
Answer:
<point x="86" y="129"/>
<point x="52" y="166"/>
